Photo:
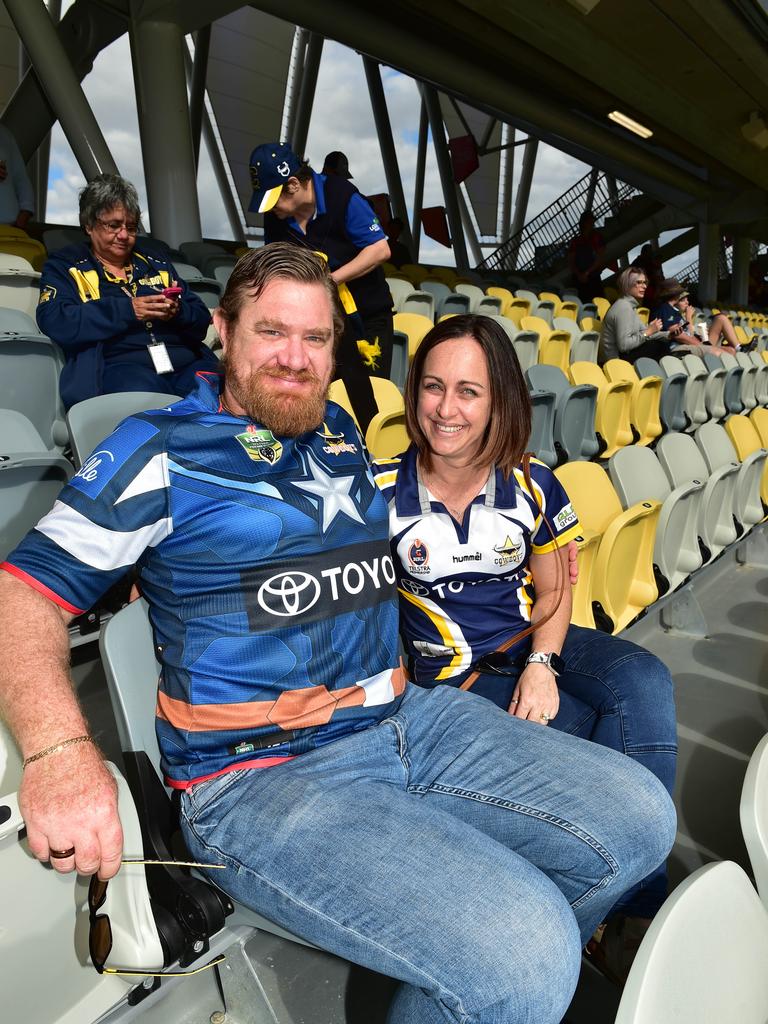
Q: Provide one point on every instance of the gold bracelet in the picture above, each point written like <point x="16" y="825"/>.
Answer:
<point x="56" y="748"/>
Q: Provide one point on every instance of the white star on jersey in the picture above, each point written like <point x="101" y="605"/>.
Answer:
<point x="332" y="492"/>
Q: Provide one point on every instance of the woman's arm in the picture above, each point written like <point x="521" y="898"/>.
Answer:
<point x="536" y="692"/>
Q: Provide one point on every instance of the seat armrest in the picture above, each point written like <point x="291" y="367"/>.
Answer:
<point x="11" y="820"/>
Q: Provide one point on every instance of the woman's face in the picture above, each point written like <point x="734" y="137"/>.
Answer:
<point x="454" y="402"/>
<point x="637" y="288"/>
<point x="113" y="236"/>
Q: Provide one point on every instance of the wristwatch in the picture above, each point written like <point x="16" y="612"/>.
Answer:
<point x="554" y="662"/>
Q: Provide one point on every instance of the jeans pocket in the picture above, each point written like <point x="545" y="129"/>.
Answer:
<point x="199" y="798"/>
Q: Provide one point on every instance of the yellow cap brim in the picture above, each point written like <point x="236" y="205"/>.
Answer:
<point x="270" y="198"/>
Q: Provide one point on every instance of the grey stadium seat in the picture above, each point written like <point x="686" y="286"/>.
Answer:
<point x="637" y="475"/>
<point x="29" y="484"/>
<point x="672" y="405"/>
<point x="89" y="422"/>
<point x="542" y="440"/>
<point x="718" y="450"/>
<point x="695" y="406"/>
<point x="574" y="427"/>
<point x="29" y="383"/>
<point x="732" y="383"/>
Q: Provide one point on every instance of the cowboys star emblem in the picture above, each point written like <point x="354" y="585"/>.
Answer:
<point x="333" y="494"/>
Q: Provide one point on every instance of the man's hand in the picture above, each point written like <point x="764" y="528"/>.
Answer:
<point x="155" y="307"/>
<point x="69" y="799"/>
<point x="535" y="695"/>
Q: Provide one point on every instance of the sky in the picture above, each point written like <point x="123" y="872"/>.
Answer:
<point x="341" y="119"/>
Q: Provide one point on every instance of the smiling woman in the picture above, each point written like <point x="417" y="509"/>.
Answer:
<point x="478" y="535"/>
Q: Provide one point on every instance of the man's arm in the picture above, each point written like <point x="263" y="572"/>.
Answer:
<point x="68" y="798"/>
<point x="368" y="258"/>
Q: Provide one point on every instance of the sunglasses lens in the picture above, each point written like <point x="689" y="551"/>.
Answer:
<point x="100" y="940"/>
<point x="97" y="893"/>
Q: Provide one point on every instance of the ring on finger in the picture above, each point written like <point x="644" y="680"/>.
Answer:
<point x="62" y="854"/>
<point x="545" y="717"/>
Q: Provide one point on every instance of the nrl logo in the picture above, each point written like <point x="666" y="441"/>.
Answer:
<point x="261" y="445"/>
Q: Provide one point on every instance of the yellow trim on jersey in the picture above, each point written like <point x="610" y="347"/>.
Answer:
<point x="87" y="282"/>
<point x="385" y="479"/>
<point x="563" y="538"/>
<point x="441" y="624"/>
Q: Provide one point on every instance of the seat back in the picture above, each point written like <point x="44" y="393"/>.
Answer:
<point x="542" y="439"/>
<point x="29" y="384"/>
<point x="399" y="289"/>
<point x="718" y="451"/>
<point x="703" y="958"/>
<point x="89" y="422"/>
<point x="753" y="811"/>
<point x="20" y="289"/>
<point x="612" y="413"/>
<point x="415" y="325"/>
<point x="419" y="302"/>
<point x="29" y="485"/>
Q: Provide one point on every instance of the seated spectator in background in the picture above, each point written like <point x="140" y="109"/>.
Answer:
<point x="719" y="329"/>
<point x="122" y="318"/>
<point x="654" y="272"/>
<point x="624" y="334"/>
<point x="677" y="316"/>
<point x="398" y="254"/>
<point x="586" y="258"/>
<point x="328" y="214"/>
<point x="336" y="163"/>
<point x="17" y="197"/>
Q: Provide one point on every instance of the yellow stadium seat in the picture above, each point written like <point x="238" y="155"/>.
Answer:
<point x="569" y="309"/>
<point x="415" y="273"/>
<point x="386" y="435"/>
<point x="518" y="308"/>
<point x="759" y="418"/>
<point x="746" y="440"/>
<point x="591" y="323"/>
<point x="18" y="243"/>
<point x="581" y="595"/>
<point x="552" y="297"/>
<point x="646" y="397"/>
<point x="504" y="294"/>
<point x="445" y="274"/>
<point x="612" y="422"/>
<point x="554" y="346"/>
<point x="623" y="581"/>
<point x="644" y="313"/>
<point x="415" y="325"/>
<point x="603" y="305"/>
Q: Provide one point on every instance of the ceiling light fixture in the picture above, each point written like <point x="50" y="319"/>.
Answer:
<point x="629" y="124"/>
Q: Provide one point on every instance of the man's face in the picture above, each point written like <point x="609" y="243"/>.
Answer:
<point x="279" y="357"/>
<point x="290" y="200"/>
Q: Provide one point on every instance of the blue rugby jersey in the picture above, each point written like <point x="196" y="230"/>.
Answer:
<point x="466" y="588"/>
<point x="266" y="564"/>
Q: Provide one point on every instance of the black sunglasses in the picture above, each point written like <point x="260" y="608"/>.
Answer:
<point x="100" y="932"/>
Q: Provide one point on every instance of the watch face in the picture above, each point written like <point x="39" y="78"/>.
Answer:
<point x="557" y="663"/>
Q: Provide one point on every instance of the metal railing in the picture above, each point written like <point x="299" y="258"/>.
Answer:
<point x="544" y="240"/>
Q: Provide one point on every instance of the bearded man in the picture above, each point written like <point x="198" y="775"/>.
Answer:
<point x="423" y="833"/>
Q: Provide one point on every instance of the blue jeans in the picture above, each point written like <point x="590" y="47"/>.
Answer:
<point x="620" y="696"/>
<point x="452" y="846"/>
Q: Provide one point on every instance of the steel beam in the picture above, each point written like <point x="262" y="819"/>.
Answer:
<point x="709" y="253"/>
<point x="387" y="146"/>
<point x="506" y="176"/>
<point x="742" y="251"/>
<point x="523" y="192"/>
<point x="445" y="169"/>
<point x="307" y="93"/>
<point x="418" y="184"/>
<point x="197" y="86"/>
<point x="61" y="86"/>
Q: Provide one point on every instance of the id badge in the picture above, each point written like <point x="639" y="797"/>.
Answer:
<point x="160" y="359"/>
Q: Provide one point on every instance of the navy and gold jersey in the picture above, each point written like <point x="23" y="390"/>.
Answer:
<point x="466" y="587"/>
<point x="266" y="564"/>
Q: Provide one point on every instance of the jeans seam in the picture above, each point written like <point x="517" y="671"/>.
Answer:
<point x="239" y="867"/>
<point x="535" y="812"/>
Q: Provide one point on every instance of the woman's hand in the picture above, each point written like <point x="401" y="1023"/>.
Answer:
<point x="535" y="697"/>
<point x="653" y="327"/>
<point x="154" y="307"/>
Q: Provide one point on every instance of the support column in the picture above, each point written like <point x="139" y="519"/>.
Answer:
<point x="709" y="252"/>
<point x="429" y="93"/>
<point x="197" y="87"/>
<point x="166" y="139"/>
<point x="469" y="228"/>
<point x="507" y="157"/>
<point x="307" y="93"/>
<point x="225" y="186"/>
<point x="418" y="184"/>
<point x="62" y="89"/>
<point x="292" y="86"/>
<point x="742" y="251"/>
<point x="589" y="200"/>
<point x="387" y="146"/>
<point x="523" y="195"/>
<point x="39" y="163"/>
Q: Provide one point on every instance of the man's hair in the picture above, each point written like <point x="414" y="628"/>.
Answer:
<point x="627" y="278"/>
<point x="509" y="426"/>
<point x="279" y="261"/>
<point x="104" y="192"/>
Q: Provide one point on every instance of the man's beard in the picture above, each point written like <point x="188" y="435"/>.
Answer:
<point x="285" y="414"/>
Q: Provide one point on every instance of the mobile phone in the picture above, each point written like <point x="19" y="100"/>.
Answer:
<point x="172" y="293"/>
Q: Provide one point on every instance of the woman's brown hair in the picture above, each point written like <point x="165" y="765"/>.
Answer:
<point x="509" y="426"/>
